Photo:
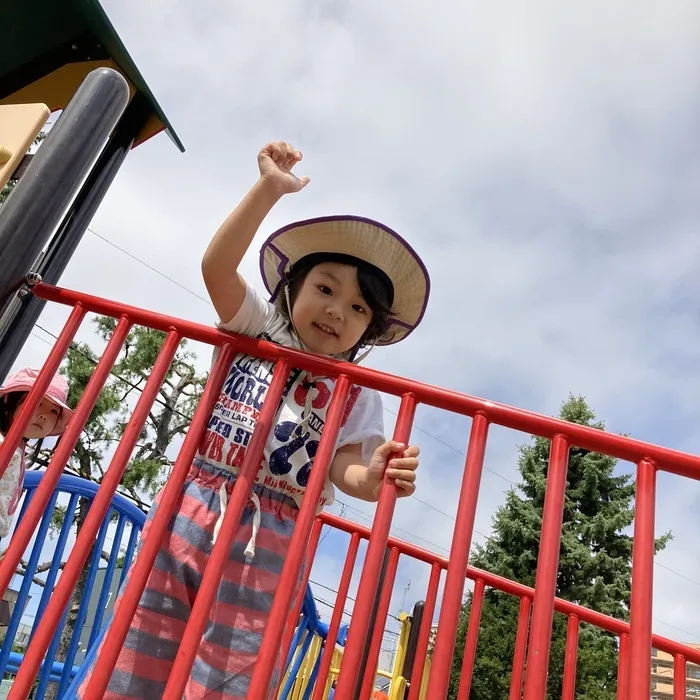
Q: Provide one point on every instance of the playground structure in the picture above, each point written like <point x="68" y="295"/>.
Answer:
<point x="361" y="649"/>
<point x="113" y="107"/>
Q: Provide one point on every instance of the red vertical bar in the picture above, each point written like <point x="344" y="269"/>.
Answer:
<point x="424" y="636"/>
<point x="24" y="532"/>
<point x="623" y="668"/>
<point x="337" y="617"/>
<point x="371" y="571"/>
<point x="642" y="582"/>
<point x="570" y="659"/>
<point x="293" y="619"/>
<point x="264" y="666"/>
<point x="679" y="678"/>
<point x="547" y="568"/>
<point x="516" y="678"/>
<point x="211" y="580"/>
<point x="380" y="624"/>
<point x="141" y="568"/>
<point x="19" y="424"/>
<point x="98" y="509"/>
<point x="465" y="679"/>
<point x="459" y="559"/>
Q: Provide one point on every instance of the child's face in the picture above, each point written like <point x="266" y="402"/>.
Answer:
<point x="43" y="421"/>
<point x="329" y="313"/>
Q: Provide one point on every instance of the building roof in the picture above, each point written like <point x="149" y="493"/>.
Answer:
<point x="49" y="46"/>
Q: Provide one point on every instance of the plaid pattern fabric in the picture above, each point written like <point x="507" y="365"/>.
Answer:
<point x="232" y="637"/>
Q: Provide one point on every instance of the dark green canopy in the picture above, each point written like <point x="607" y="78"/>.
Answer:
<point x="49" y="46"/>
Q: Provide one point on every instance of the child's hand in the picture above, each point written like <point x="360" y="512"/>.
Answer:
<point x="276" y="161"/>
<point x="402" y="469"/>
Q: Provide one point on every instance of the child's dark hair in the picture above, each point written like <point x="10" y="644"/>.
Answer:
<point x="8" y="408"/>
<point x="375" y="286"/>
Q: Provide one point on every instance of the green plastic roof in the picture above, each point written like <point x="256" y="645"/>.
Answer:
<point x="41" y="36"/>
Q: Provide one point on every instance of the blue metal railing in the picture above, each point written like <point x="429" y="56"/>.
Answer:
<point x="123" y="513"/>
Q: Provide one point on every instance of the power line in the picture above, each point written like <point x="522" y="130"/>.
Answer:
<point x="150" y="267"/>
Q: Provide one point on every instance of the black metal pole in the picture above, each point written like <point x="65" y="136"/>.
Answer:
<point x="41" y="197"/>
<point x="412" y="644"/>
<point x="24" y="309"/>
<point x="370" y="632"/>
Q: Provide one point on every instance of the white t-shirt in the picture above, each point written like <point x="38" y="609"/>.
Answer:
<point x="10" y="490"/>
<point x="289" y="451"/>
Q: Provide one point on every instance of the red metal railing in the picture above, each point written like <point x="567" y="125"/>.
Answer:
<point x="537" y="605"/>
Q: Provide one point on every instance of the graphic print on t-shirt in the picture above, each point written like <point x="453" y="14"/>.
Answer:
<point x="291" y="448"/>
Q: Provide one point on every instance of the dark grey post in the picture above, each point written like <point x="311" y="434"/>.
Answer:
<point x="44" y="194"/>
<point x="24" y="308"/>
<point x="41" y="197"/>
<point x="370" y="632"/>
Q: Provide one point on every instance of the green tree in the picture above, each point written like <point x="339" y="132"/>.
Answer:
<point x="150" y="463"/>
<point x="594" y="568"/>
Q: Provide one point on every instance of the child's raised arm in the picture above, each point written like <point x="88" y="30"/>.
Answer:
<point x="226" y="250"/>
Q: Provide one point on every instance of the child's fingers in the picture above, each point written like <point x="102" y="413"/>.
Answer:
<point x="405" y="488"/>
<point x="292" y="155"/>
<point x="404" y="463"/>
<point x="388" y="448"/>
<point x="407" y="475"/>
<point x="411" y="451"/>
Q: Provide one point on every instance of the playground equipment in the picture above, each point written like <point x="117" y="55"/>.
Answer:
<point x="73" y="60"/>
<point x="357" y="670"/>
<point x="91" y="613"/>
<point x="54" y="178"/>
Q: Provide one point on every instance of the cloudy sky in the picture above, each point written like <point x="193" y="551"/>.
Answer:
<point x="543" y="159"/>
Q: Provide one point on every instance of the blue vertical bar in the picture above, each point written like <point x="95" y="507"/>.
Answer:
<point x="83" y="609"/>
<point x="25" y="504"/>
<point x="107" y="582"/>
<point x="47" y="674"/>
<point x="26" y="584"/>
<point x="55" y="562"/>
<point x="294" y="671"/>
<point x="48" y="669"/>
<point x="129" y="552"/>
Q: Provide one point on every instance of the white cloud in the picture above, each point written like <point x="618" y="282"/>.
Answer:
<point x="541" y="157"/>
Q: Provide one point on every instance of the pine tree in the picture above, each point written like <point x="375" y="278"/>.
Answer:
<point x="594" y="567"/>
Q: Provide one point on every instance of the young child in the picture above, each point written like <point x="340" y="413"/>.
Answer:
<point x="50" y="418"/>
<point x="338" y="285"/>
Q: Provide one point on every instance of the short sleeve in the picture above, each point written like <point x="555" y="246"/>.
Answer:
<point x="365" y="424"/>
<point x="253" y="318"/>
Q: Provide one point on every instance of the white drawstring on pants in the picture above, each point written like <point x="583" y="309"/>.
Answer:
<point x="223" y="500"/>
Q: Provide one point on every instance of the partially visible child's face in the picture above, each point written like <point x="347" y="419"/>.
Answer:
<point x="43" y="421"/>
<point x="329" y="313"/>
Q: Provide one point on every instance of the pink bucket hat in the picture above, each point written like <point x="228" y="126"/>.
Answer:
<point x="57" y="392"/>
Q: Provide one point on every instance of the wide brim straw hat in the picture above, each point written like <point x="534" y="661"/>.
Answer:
<point x="57" y="393"/>
<point x="361" y="238"/>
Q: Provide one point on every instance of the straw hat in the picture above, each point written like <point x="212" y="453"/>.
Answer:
<point x="361" y="238"/>
<point x="57" y="393"/>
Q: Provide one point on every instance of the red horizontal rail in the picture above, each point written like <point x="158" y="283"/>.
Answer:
<point x="585" y="615"/>
<point x="617" y="446"/>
